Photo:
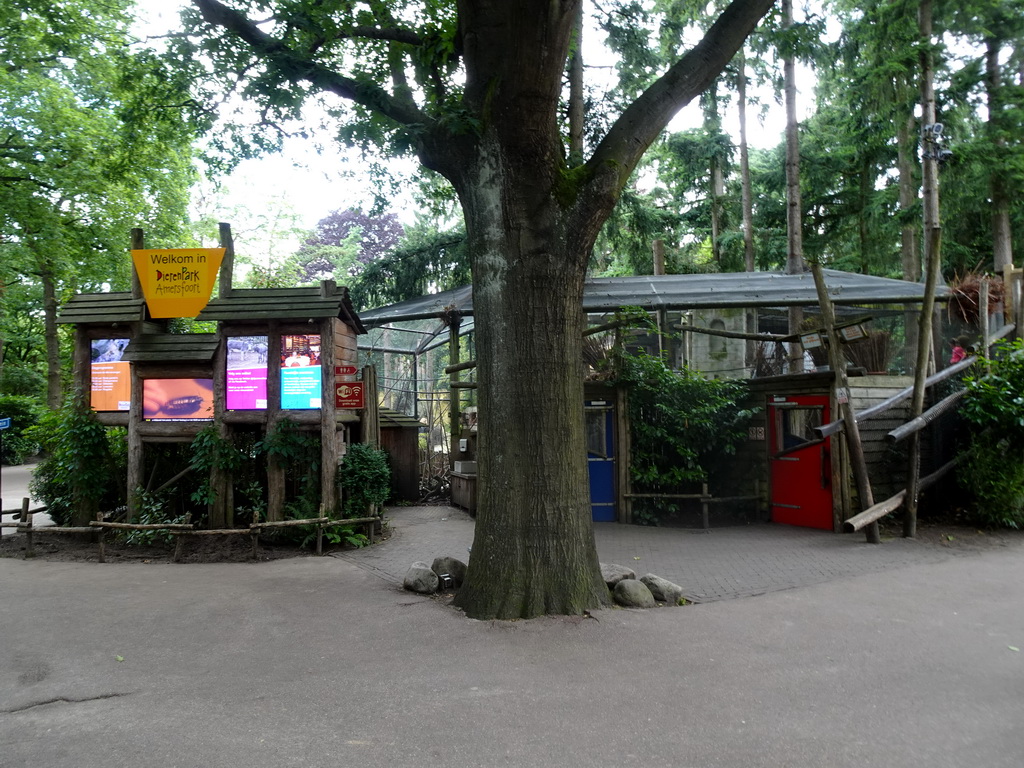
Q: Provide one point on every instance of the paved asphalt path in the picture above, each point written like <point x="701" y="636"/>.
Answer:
<point x="14" y="483"/>
<point x="325" y="662"/>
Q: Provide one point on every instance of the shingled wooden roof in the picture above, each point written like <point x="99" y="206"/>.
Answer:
<point x="172" y="347"/>
<point x="117" y="307"/>
<point x="302" y="304"/>
<point x="393" y="418"/>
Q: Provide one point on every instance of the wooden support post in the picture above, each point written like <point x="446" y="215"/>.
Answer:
<point x="838" y="365"/>
<point x="138" y="242"/>
<point x="227" y="265"/>
<point x="328" y="412"/>
<point x="275" y="470"/>
<point x="455" y="416"/>
<point x="1018" y="305"/>
<point x="933" y="261"/>
<point x="99" y="539"/>
<point x="983" y="321"/>
<point x="26" y="517"/>
<point x="705" y="521"/>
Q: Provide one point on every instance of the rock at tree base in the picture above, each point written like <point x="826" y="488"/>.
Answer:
<point x="663" y="589"/>
<point x="613" y="574"/>
<point x="454" y="568"/>
<point x="631" y="593"/>
<point x="419" y="578"/>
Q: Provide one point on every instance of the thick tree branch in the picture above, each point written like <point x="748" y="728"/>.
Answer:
<point x="297" y="66"/>
<point x="637" y="128"/>
<point x="29" y="179"/>
<point x="394" y="34"/>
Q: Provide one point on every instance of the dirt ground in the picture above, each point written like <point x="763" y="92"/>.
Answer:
<point x="952" y="535"/>
<point x="70" y="547"/>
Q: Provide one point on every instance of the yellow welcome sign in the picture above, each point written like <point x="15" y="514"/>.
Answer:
<point x="177" y="282"/>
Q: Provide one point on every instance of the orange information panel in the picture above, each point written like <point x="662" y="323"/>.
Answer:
<point x="177" y="282"/>
<point x="349" y="394"/>
<point x="111" y="386"/>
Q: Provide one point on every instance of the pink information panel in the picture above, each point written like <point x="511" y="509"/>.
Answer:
<point x="246" y="373"/>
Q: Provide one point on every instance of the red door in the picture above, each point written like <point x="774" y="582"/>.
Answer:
<point x="801" y="463"/>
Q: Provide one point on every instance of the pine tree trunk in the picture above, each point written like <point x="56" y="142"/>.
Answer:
<point x="794" y="214"/>
<point x="1002" y="240"/>
<point x="906" y="146"/>
<point x="747" y="197"/>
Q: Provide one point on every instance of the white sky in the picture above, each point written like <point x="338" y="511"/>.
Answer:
<point x="299" y="187"/>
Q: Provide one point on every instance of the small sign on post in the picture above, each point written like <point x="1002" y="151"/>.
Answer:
<point x="5" y="423"/>
<point x="349" y="394"/>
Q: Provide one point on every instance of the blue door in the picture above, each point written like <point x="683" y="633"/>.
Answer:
<point x="601" y="459"/>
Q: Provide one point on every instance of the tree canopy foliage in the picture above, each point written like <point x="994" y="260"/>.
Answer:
<point x="95" y="138"/>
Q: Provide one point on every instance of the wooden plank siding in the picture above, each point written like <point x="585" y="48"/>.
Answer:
<point x="887" y="464"/>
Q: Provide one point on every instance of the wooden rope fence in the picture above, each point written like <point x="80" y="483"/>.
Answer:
<point x="24" y="515"/>
<point x="704" y="497"/>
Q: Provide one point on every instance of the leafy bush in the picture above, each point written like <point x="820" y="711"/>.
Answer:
<point x="154" y="509"/>
<point x="682" y="425"/>
<point x="84" y="467"/>
<point x="24" y="413"/>
<point x="365" y="479"/>
<point x="994" y="468"/>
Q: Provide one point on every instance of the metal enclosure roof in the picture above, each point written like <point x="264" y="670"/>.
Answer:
<point x="729" y="289"/>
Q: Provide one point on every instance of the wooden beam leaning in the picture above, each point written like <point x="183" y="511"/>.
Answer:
<point x="834" y="426"/>
<point x="917" y="424"/>
<point x="882" y="508"/>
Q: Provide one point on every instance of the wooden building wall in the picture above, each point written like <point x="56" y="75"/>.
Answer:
<point x="887" y="463"/>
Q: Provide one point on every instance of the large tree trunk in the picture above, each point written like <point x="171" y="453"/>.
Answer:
<point x="534" y="549"/>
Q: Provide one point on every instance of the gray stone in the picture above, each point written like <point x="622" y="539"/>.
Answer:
<point x="419" y="578"/>
<point x="613" y="574"/>
<point x="663" y="589"/>
<point x="633" y="594"/>
<point x="454" y="568"/>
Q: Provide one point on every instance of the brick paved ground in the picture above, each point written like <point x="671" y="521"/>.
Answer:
<point x="727" y="562"/>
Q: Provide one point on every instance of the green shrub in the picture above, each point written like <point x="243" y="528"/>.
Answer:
<point x="993" y="471"/>
<point x="84" y="467"/>
<point x="364" y="479"/>
<point x="24" y="412"/>
<point x="682" y="424"/>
